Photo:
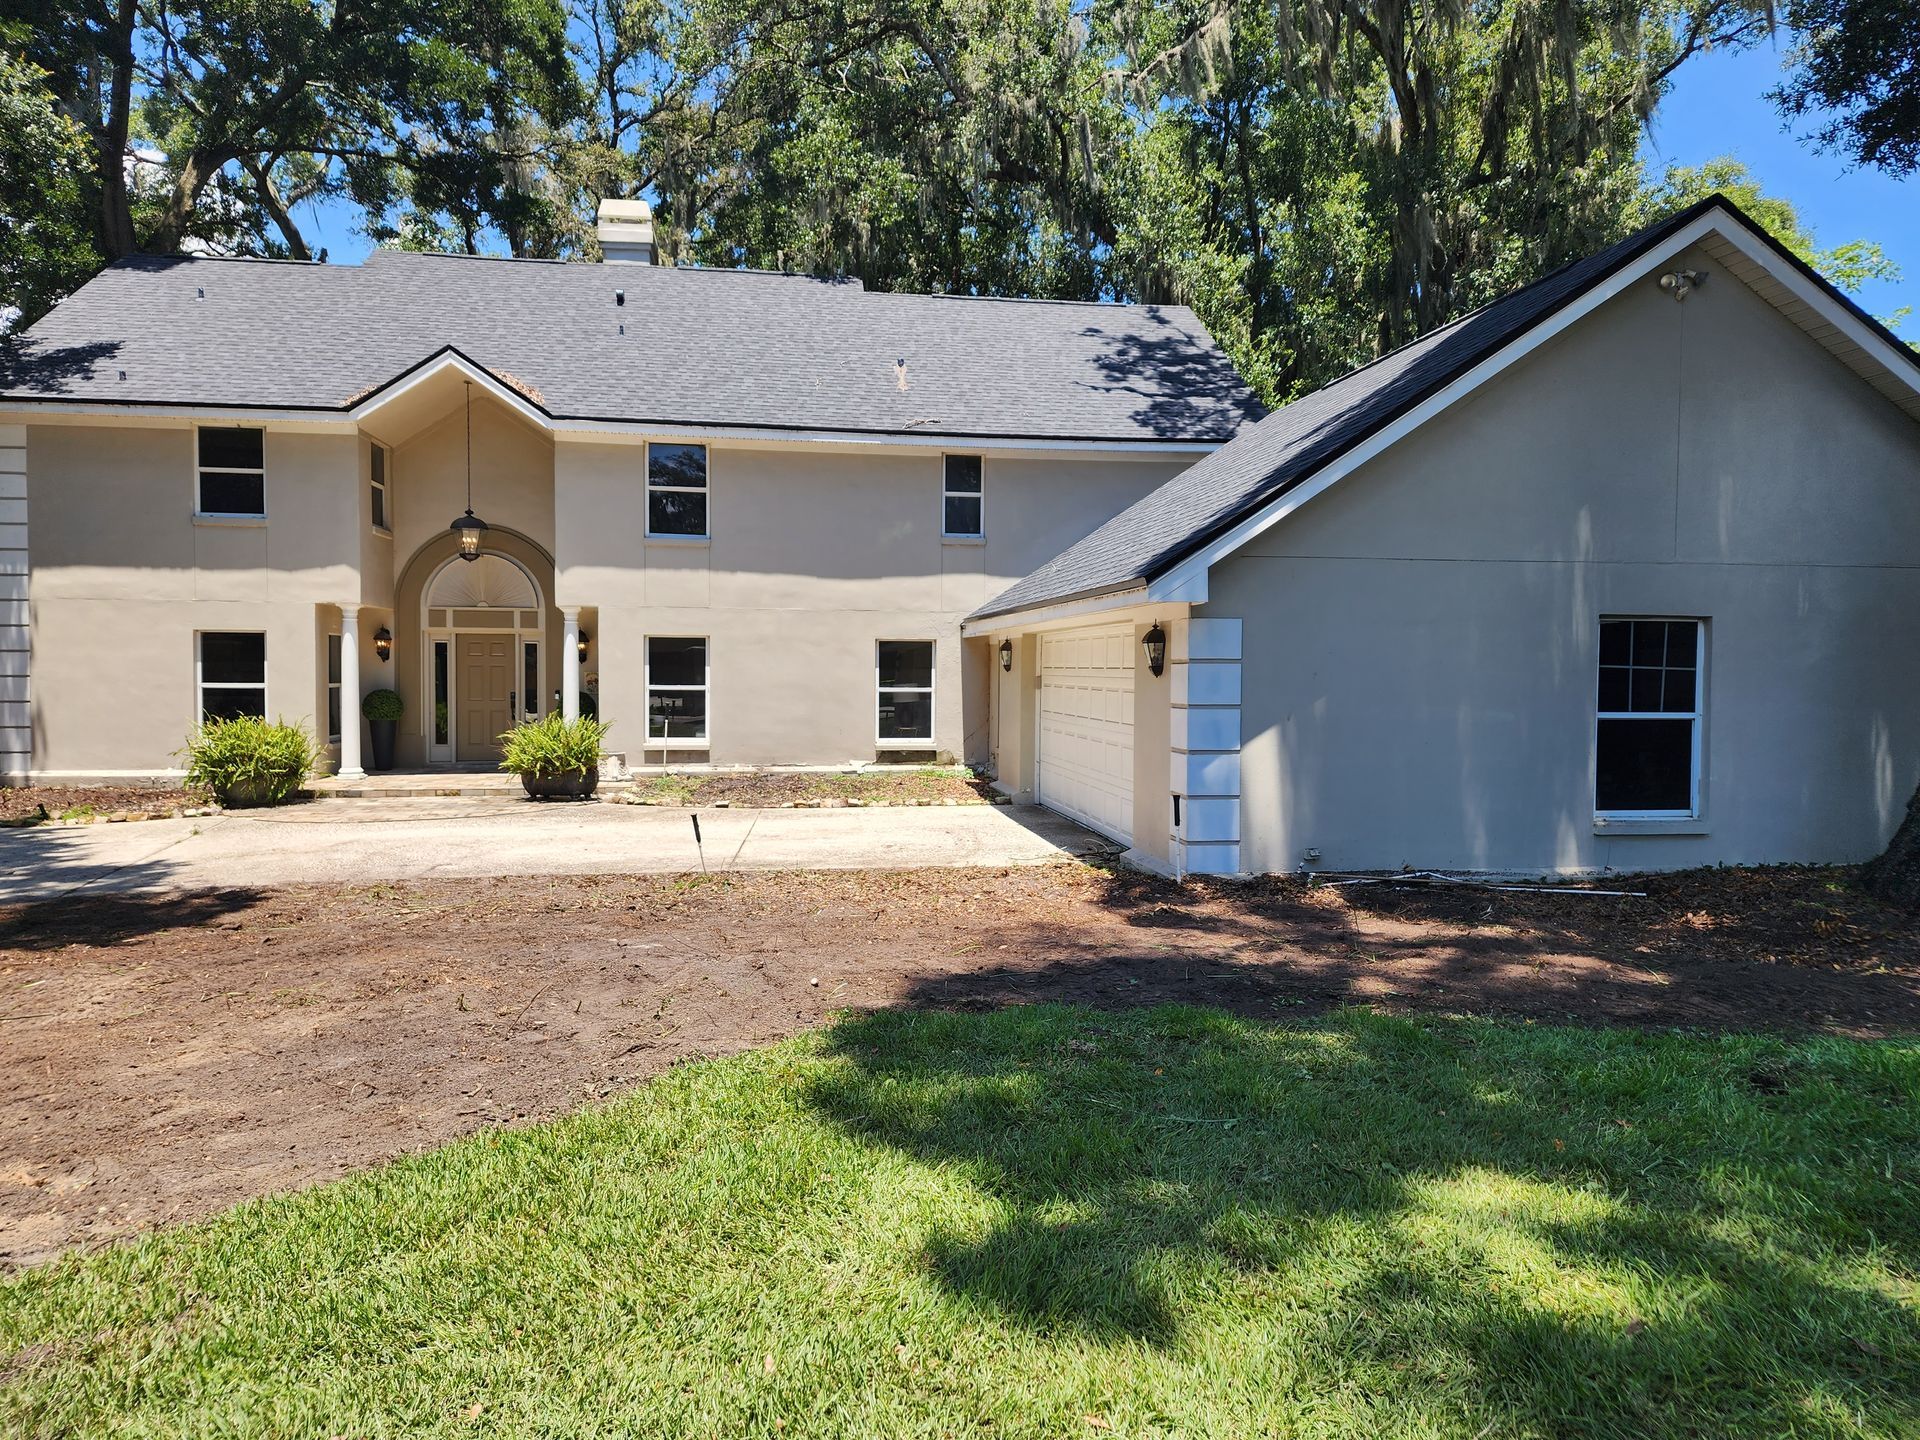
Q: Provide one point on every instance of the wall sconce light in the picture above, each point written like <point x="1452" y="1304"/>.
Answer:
<point x="1154" y="642"/>
<point x="582" y="646"/>
<point x="383" y="643"/>
<point x="1006" y="655"/>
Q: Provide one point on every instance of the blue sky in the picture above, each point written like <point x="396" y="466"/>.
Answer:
<point x="1718" y="106"/>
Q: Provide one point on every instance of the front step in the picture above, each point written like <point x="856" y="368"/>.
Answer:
<point x="418" y="786"/>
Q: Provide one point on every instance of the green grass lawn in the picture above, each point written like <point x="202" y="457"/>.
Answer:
<point x="1055" y="1222"/>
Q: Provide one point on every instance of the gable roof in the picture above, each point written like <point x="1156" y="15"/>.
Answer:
<point x="1302" y="440"/>
<point x="688" y="347"/>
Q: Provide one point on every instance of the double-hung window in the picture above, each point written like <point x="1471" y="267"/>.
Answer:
<point x="233" y="472"/>
<point x="1647" y="736"/>
<point x="333" y="687"/>
<point x="961" y="499"/>
<point x="676" y="689"/>
<point x="379" y="499"/>
<point x="677" y="491"/>
<point x="905" y="684"/>
<point x="232" y="669"/>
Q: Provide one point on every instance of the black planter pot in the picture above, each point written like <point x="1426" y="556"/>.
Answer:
<point x="561" y="787"/>
<point x="382" y="733"/>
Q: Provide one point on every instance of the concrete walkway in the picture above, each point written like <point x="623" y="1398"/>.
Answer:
<point x="368" y="841"/>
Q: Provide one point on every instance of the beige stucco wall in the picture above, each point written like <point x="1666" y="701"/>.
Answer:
<point x="1420" y="641"/>
<point x="123" y="577"/>
<point x="816" y="555"/>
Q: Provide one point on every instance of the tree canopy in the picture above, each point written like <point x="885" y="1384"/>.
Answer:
<point x="1321" y="179"/>
<point x="1856" y="72"/>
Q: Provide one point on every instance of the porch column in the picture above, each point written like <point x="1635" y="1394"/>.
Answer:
<point x="570" y="662"/>
<point x="350" y="694"/>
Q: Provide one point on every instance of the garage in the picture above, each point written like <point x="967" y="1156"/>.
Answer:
<point x="1086" y="727"/>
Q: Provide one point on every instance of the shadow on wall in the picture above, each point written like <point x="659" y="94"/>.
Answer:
<point x="1531" y="1223"/>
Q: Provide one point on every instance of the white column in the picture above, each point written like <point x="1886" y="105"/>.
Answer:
<point x="570" y="662"/>
<point x="350" y="694"/>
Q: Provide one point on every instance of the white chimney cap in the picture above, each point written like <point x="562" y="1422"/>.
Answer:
<point x="625" y="230"/>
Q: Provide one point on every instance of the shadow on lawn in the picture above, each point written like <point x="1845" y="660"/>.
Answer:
<point x="1593" y="1233"/>
<point x="102" y="920"/>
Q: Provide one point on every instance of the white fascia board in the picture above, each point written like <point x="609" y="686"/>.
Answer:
<point x="167" y="417"/>
<point x="1057" y="616"/>
<point x="1012" y="447"/>
<point x="1187" y="581"/>
<point x="504" y="393"/>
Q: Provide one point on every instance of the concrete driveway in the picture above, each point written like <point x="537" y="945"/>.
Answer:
<point x="368" y="841"/>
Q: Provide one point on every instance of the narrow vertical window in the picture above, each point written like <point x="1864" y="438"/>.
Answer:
<point x="905" y="685"/>
<point x="379" y="488"/>
<point x="1647" y="736"/>
<point x="677" y="490"/>
<point x="441" y="696"/>
<point x="333" y="687"/>
<point x="232" y="675"/>
<point x="676" y="689"/>
<point x="961" y="499"/>
<point x="530" y="678"/>
<point x="233" y="472"/>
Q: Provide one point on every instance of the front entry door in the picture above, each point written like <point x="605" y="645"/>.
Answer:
<point x="486" y="694"/>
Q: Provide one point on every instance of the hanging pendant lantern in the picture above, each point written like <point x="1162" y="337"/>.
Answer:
<point x="469" y="528"/>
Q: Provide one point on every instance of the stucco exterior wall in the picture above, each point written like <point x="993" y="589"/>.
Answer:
<point x="815" y="556"/>
<point x="124" y="576"/>
<point x="1420" y="641"/>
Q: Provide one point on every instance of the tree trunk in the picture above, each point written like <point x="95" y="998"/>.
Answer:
<point x="114" y="223"/>
<point x="1895" y="876"/>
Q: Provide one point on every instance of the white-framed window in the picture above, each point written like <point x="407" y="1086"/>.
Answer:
<point x="230" y="674"/>
<point x="232" y="470"/>
<point x="961" y="500"/>
<point x="378" y="499"/>
<point x="677" y="671"/>
<point x="333" y="687"/>
<point x="677" y="490"/>
<point x="1648" y="717"/>
<point x="904" y="680"/>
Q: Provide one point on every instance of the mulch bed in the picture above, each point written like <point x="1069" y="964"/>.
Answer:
<point x="162" y="1058"/>
<point x="29" y="803"/>
<point x="772" y="789"/>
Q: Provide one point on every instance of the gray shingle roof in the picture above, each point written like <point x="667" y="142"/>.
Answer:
<point x="701" y="347"/>
<point x="1209" y="498"/>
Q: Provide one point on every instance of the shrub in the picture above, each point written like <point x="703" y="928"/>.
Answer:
<point x="552" y="746"/>
<point x="383" y="705"/>
<point x="245" y="761"/>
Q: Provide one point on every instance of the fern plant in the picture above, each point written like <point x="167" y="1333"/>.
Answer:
<point x="249" y="761"/>
<point x="553" y="746"/>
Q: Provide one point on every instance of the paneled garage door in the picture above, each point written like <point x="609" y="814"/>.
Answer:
<point x="1086" y="727"/>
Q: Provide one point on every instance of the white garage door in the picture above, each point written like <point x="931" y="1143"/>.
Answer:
<point x="1086" y="727"/>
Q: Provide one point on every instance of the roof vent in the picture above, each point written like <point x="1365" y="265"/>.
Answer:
<point x="625" y="229"/>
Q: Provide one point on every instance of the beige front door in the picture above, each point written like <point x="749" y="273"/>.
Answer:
<point x="486" y="691"/>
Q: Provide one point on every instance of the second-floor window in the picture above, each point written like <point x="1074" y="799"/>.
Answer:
<point x="677" y="490"/>
<point x="379" y="488"/>
<point x="960" y="504"/>
<point x="233" y="472"/>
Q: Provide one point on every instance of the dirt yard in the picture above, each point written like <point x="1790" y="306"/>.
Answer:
<point x="29" y="804"/>
<point x="770" y="789"/>
<point x="160" y="1059"/>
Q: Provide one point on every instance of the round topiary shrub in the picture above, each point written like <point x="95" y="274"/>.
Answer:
<point x="383" y="705"/>
<point x="248" y="761"/>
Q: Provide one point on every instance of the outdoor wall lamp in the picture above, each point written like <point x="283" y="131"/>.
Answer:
<point x="582" y="646"/>
<point x="383" y="643"/>
<point x="1154" y="642"/>
<point x="1006" y="655"/>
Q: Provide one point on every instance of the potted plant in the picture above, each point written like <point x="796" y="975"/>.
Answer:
<point x="248" y="761"/>
<point x="383" y="709"/>
<point x="555" y="757"/>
